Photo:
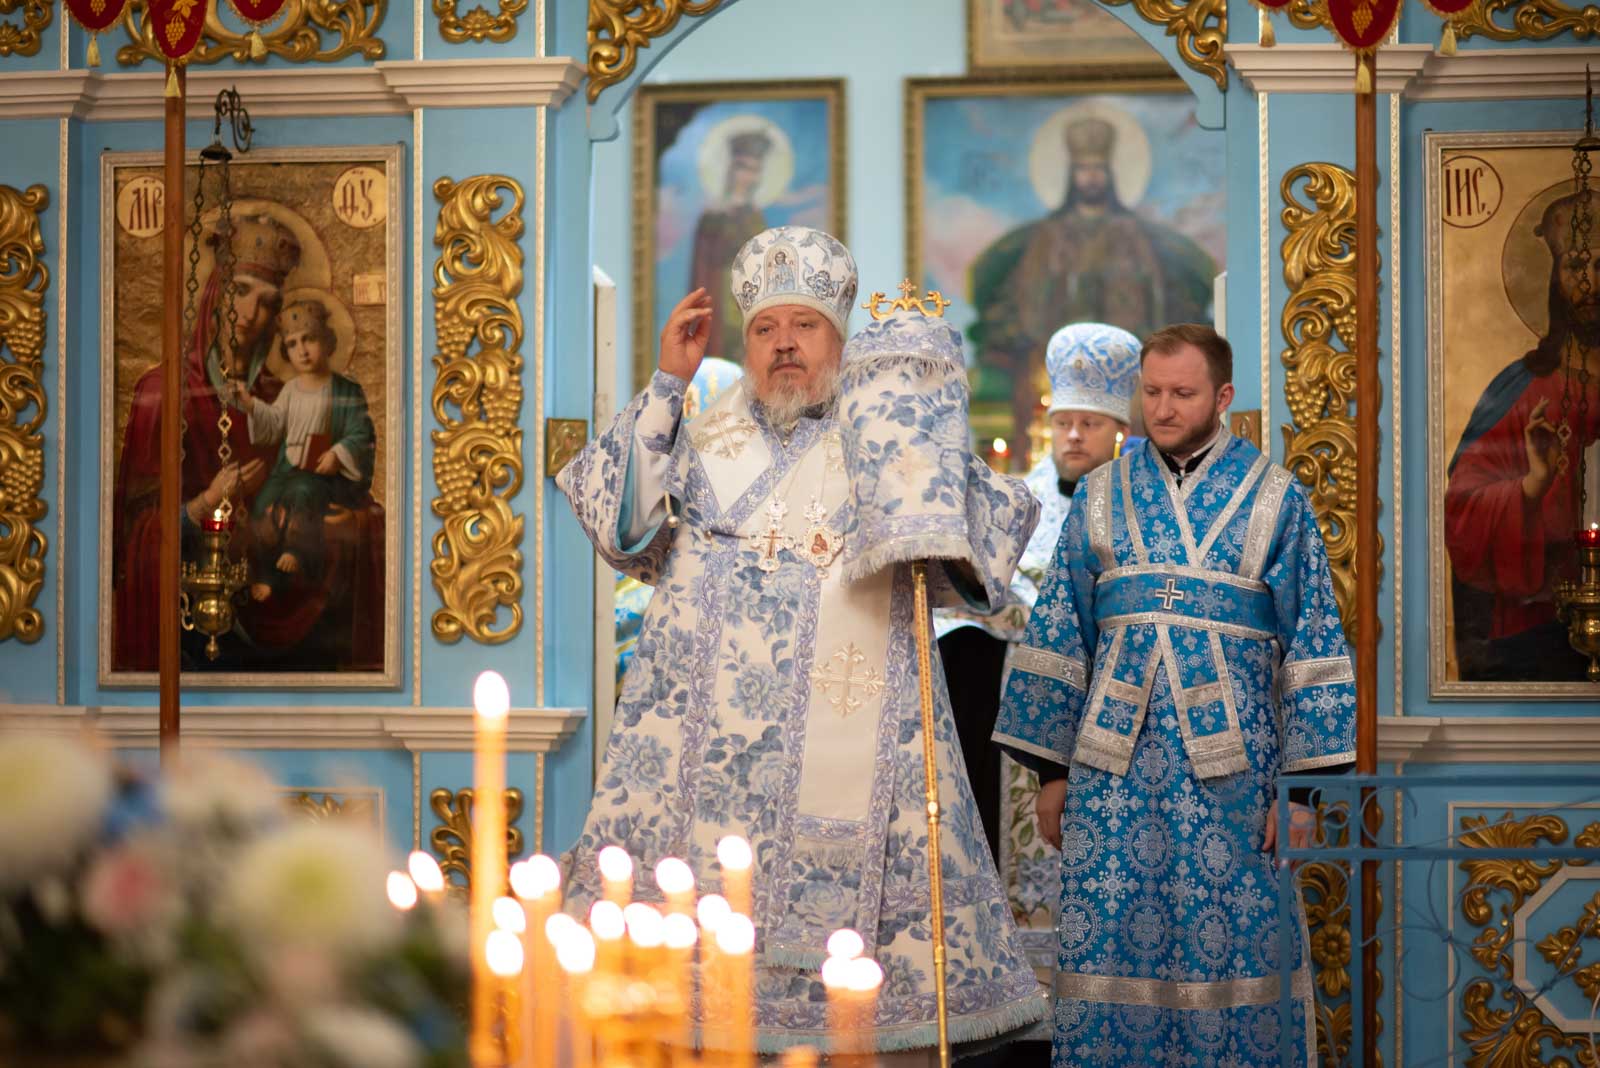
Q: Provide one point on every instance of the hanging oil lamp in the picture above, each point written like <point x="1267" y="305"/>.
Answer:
<point x="1578" y="602"/>
<point x="210" y="583"/>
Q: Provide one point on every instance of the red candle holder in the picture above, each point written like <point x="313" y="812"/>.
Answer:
<point x="215" y="523"/>
<point x="1589" y="536"/>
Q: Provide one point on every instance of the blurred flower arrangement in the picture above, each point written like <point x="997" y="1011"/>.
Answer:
<point x="190" y="921"/>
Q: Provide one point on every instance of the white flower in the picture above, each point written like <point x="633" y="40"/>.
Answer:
<point x="312" y="885"/>
<point x="211" y="790"/>
<point x="53" y="796"/>
<point x="353" y="1037"/>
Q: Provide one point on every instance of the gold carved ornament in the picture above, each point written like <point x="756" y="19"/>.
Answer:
<point x="324" y="807"/>
<point x="477" y="400"/>
<point x="297" y="34"/>
<point x="23" y="281"/>
<point x="618" y="29"/>
<point x="478" y="24"/>
<point x="24" y="39"/>
<point x="451" y="840"/>
<point x="1319" y="324"/>
<point x="1325" y="888"/>
<point x="1529" y="20"/>
<point x="1201" y="29"/>
<point x="1517" y="1034"/>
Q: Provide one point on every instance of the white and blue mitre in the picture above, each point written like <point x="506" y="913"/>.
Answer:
<point x="916" y="491"/>
<point x="1093" y="368"/>
<point x="795" y="265"/>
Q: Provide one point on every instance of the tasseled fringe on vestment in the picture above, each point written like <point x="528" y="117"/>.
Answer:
<point x="904" y="551"/>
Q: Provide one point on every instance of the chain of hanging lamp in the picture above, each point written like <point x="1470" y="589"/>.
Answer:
<point x="1580" y="248"/>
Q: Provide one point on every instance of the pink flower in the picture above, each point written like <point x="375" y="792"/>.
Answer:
<point x="127" y="890"/>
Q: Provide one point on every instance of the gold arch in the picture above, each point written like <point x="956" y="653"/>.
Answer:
<point x="619" y="29"/>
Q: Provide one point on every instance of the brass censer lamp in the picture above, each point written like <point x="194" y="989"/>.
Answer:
<point x="1578" y="602"/>
<point x="210" y="583"/>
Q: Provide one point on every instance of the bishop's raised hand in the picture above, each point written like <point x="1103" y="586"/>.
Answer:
<point x="686" y="336"/>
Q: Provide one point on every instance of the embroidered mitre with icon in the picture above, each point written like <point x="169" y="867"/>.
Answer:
<point x="795" y="265"/>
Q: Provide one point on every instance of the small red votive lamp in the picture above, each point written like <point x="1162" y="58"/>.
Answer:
<point x="1589" y="536"/>
<point x="214" y="522"/>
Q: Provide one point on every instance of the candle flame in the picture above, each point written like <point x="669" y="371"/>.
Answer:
<point x="712" y="910"/>
<point x="575" y="952"/>
<point x="503" y="953"/>
<point x="535" y="877"/>
<point x="606" y="921"/>
<point x="674" y="876"/>
<point x="615" y="865"/>
<point x="425" y="872"/>
<point x="559" y="926"/>
<point x="734" y="852"/>
<point x="836" y="973"/>
<point x="402" y="891"/>
<point x="490" y="696"/>
<point x="736" y="935"/>
<point x="645" y="925"/>
<point x="680" y="931"/>
<point x="508" y="915"/>
<point x="846" y="943"/>
<point x="865" y="975"/>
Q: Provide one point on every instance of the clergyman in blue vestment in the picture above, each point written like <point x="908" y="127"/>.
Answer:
<point x="1185" y="651"/>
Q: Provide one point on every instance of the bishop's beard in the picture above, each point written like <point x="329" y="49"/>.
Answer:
<point x="784" y="403"/>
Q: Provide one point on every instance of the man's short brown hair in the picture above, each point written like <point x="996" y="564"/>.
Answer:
<point x="1212" y="345"/>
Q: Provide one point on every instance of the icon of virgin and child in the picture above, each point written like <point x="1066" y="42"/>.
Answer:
<point x="299" y="476"/>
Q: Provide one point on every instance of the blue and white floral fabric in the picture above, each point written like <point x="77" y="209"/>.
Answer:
<point x="771" y="698"/>
<point x="1093" y="368"/>
<point x="1186" y="650"/>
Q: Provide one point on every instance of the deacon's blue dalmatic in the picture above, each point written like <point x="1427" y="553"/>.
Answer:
<point x="1218" y="663"/>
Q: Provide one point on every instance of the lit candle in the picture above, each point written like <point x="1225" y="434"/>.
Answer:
<point x="426" y="875"/>
<point x="676" y="880"/>
<point x="736" y="942"/>
<point x="712" y="910"/>
<point x="492" y="701"/>
<point x="214" y="522"/>
<point x="609" y="927"/>
<point x="616" y="874"/>
<point x="864" y="980"/>
<point x="402" y="891"/>
<point x="1590" y="535"/>
<point x="537" y="884"/>
<point x="841" y="1024"/>
<point x="503" y="952"/>
<point x="575" y="952"/>
<point x="733" y="854"/>
<point x="680" y="934"/>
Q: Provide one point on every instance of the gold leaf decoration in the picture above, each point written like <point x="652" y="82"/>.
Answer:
<point x="1526" y="20"/>
<point x="1325" y="888"/>
<point x="323" y="807"/>
<point x="1308" y="14"/>
<point x="1319" y="324"/>
<point x="618" y="29"/>
<point x="24" y="39"/>
<point x="23" y="281"/>
<point x="304" y="31"/>
<point x="1200" y="26"/>
<point x="477" y="399"/>
<point x="452" y="838"/>
<point x="1496" y="891"/>
<point x="478" y="24"/>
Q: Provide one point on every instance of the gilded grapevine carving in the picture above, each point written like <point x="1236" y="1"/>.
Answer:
<point x="23" y="281"/>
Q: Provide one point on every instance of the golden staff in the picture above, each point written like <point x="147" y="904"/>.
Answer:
<point x="881" y="307"/>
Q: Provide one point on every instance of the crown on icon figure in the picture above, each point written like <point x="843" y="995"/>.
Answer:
<point x="262" y="247"/>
